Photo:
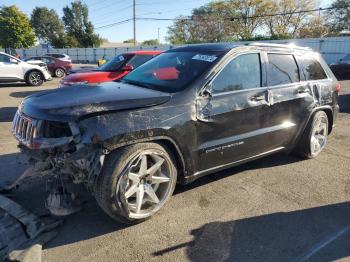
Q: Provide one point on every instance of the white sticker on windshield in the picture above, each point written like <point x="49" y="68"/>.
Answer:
<point x="207" y="58"/>
<point x="121" y="58"/>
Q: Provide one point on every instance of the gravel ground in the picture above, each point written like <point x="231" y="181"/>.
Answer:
<point x="277" y="208"/>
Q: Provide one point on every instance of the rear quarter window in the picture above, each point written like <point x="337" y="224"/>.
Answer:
<point x="310" y="69"/>
<point x="282" y="69"/>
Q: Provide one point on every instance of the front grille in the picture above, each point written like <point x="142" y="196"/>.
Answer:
<point x="24" y="128"/>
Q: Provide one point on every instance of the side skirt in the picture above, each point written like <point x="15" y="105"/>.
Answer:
<point x="195" y="176"/>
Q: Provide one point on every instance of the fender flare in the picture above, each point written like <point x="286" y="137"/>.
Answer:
<point x="313" y="111"/>
<point x="177" y="154"/>
<point x="32" y="70"/>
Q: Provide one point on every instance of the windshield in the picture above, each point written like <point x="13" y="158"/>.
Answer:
<point x="115" y="64"/>
<point x="172" y="71"/>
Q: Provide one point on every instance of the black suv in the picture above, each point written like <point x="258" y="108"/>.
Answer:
<point x="188" y="112"/>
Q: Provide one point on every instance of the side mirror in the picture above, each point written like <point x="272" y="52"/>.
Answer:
<point x="13" y="61"/>
<point x="204" y="106"/>
<point x="128" y="68"/>
<point x="206" y="91"/>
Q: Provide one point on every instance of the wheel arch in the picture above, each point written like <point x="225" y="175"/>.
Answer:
<point x="33" y="70"/>
<point x="166" y="141"/>
<point x="329" y="111"/>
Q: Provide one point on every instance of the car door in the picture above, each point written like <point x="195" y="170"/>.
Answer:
<point x="289" y="98"/>
<point x="50" y="62"/>
<point x="10" y="68"/>
<point x="230" y="115"/>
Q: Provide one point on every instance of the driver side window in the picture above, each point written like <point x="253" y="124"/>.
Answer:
<point x="4" y="58"/>
<point x="243" y="72"/>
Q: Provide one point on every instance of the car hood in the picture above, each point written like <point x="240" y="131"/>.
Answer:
<point x="93" y="76"/>
<point x="72" y="103"/>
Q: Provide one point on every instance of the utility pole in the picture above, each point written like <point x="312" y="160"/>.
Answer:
<point x="134" y="18"/>
<point x="158" y="36"/>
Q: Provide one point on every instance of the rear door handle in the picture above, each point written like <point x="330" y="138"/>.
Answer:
<point x="302" y="90"/>
<point x="257" y="98"/>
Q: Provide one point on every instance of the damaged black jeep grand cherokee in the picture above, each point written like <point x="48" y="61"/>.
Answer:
<point x="186" y="113"/>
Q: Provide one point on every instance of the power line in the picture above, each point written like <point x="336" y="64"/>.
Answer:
<point x="231" y="18"/>
<point x="247" y="17"/>
<point x="114" y="24"/>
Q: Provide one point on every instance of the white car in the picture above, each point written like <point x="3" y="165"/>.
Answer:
<point x="13" y="69"/>
<point x="63" y="57"/>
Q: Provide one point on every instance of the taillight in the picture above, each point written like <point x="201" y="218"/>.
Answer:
<point x="337" y="87"/>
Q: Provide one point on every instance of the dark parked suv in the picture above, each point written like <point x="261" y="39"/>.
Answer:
<point x="188" y="112"/>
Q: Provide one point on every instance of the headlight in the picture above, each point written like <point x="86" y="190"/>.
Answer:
<point x="64" y="83"/>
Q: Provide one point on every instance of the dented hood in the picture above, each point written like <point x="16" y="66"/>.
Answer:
<point x="71" y="103"/>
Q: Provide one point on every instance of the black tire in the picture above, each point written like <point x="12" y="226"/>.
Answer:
<point x="106" y="188"/>
<point x="35" y="78"/>
<point x="303" y="148"/>
<point x="60" y="72"/>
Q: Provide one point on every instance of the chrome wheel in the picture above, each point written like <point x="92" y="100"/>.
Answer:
<point x="59" y="72"/>
<point x="35" y="78"/>
<point x="147" y="184"/>
<point x="319" y="134"/>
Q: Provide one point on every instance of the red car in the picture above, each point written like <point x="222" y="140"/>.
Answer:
<point x="114" y="69"/>
<point x="57" y="67"/>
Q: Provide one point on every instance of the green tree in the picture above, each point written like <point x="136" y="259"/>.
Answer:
<point x="339" y="18"/>
<point x="151" y="42"/>
<point x="15" y="30"/>
<point x="128" y="41"/>
<point x="78" y="26"/>
<point x="314" y="28"/>
<point x="288" y="25"/>
<point x="217" y="21"/>
<point x="48" y="27"/>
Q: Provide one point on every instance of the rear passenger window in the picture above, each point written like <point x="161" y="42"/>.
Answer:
<point x="311" y="69"/>
<point x="243" y="72"/>
<point x="282" y="69"/>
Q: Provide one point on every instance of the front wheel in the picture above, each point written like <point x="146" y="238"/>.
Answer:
<point x="136" y="182"/>
<point x="59" y="72"/>
<point x="35" y="78"/>
<point x="315" y="137"/>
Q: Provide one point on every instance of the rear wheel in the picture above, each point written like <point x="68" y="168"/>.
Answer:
<point x="136" y="182"/>
<point x="59" y="72"/>
<point x="315" y="137"/>
<point x="35" y="78"/>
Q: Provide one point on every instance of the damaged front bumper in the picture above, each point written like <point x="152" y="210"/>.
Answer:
<point x="57" y="148"/>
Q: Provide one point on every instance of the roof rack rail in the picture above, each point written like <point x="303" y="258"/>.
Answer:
<point x="290" y="46"/>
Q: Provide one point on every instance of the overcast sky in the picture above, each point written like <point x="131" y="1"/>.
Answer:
<point x="104" y="12"/>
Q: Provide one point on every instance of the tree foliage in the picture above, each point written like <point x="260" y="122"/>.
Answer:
<point x="229" y="20"/>
<point x="151" y="42"/>
<point x="288" y="24"/>
<point x="15" y="30"/>
<point x="339" y="18"/>
<point x="78" y="27"/>
<point x="48" y="27"/>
